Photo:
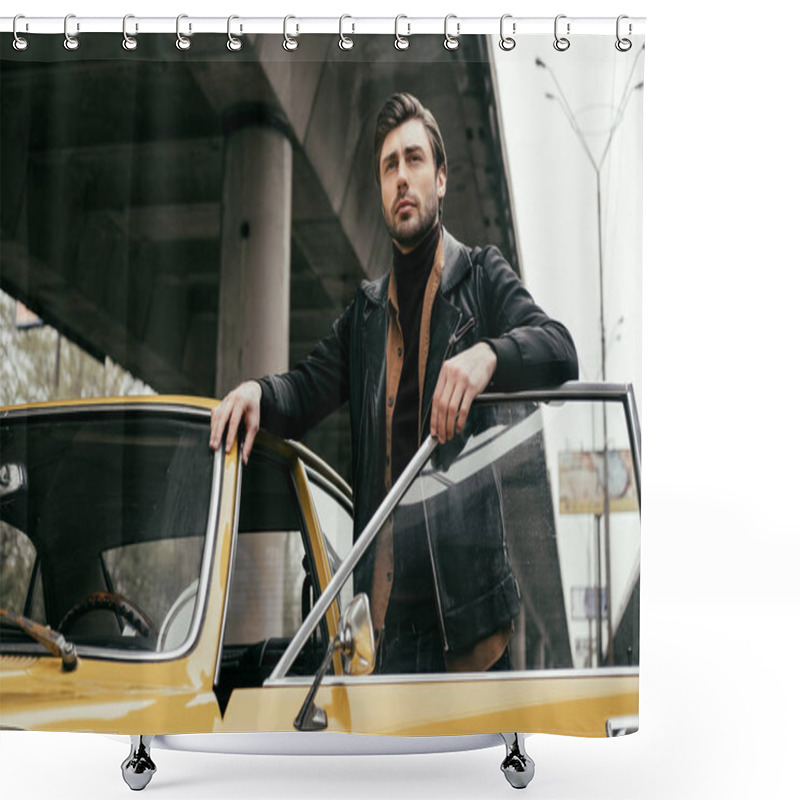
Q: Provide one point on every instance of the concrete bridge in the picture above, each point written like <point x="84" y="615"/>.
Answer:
<point x="202" y="216"/>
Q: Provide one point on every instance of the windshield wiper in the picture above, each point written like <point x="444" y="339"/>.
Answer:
<point x="45" y="636"/>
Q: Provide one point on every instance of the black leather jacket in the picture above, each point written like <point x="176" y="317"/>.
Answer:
<point x="480" y="299"/>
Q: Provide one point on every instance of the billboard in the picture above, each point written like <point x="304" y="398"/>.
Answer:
<point x="581" y="484"/>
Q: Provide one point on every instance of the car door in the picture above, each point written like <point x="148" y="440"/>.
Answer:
<point x="530" y="522"/>
<point x="280" y="566"/>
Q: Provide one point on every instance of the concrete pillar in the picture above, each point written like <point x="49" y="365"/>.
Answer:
<point x="253" y="327"/>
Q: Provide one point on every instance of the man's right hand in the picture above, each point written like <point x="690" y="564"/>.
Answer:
<point x="243" y="404"/>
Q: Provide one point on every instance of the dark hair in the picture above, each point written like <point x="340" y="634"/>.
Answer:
<point x="400" y="108"/>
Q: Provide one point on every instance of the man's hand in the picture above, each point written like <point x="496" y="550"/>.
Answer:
<point x="461" y="380"/>
<point x="242" y="404"/>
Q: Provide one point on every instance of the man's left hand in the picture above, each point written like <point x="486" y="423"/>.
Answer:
<point x="461" y="380"/>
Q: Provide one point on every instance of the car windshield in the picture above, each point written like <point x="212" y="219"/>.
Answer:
<point x="103" y="522"/>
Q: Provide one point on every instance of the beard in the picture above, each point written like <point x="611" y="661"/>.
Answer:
<point x="411" y="231"/>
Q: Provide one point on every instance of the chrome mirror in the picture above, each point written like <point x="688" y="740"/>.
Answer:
<point x="357" y="637"/>
<point x="356" y="641"/>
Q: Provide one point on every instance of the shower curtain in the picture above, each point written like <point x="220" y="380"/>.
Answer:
<point x="191" y="210"/>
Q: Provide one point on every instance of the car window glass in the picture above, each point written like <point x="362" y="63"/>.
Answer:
<point x="17" y="560"/>
<point x="273" y="583"/>
<point x="116" y="504"/>
<point x="267" y="584"/>
<point x="154" y="575"/>
<point x="36" y="610"/>
<point x="499" y="552"/>
<point x="336" y="522"/>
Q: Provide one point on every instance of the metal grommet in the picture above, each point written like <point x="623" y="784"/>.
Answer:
<point x="289" y="43"/>
<point x="128" y="42"/>
<point x="506" y="42"/>
<point x="70" y="42"/>
<point x="182" y="42"/>
<point x="451" y="42"/>
<point x="345" y="42"/>
<point x="20" y="43"/>
<point x="234" y="44"/>
<point x="561" y="43"/>
<point x="400" y="42"/>
<point x="623" y="45"/>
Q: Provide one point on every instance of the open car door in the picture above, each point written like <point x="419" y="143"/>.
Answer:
<point x="535" y="507"/>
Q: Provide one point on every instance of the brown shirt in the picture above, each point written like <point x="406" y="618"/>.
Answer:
<point x="384" y="572"/>
<point x="485" y="653"/>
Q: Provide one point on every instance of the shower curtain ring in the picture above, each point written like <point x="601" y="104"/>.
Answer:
<point x="561" y="43"/>
<point x="234" y="43"/>
<point x="345" y="42"/>
<point x="451" y="42"/>
<point x="20" y="43"/>
<point x="507" y="42"/>
<point x="182" y="42"/>
<point x="400" y="42"/>
<point x="623" y="44"/>
<point x="71" y="42"/>
<point x="290" y="44"/>
<point x="129" y="42"/>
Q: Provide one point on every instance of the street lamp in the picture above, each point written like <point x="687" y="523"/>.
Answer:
<point x="597" y="165"/>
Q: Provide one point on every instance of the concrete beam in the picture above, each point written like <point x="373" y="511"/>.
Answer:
<point x="58" y="300"/>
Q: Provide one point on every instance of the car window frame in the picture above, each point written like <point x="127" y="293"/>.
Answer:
<point x="337" y="496"/>
<point x="569" y="391"/>
<point x="289" y="457"/>
<point x="180" y="412"/>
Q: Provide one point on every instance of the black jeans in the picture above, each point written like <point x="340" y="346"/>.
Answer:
<point x="407" y="649"/>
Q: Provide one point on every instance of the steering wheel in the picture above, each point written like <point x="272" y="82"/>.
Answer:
<point x="108" y="601"/>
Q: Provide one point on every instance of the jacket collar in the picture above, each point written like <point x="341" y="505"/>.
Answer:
<point x="456" y="266"/>
<point x="456" y="262"/>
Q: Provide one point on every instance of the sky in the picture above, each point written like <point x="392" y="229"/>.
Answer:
<point x="555" y="189"/>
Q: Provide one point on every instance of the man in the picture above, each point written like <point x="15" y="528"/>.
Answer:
<point x="411" y="353"/>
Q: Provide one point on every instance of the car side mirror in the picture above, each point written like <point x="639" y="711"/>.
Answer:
<point x="356" y="640"/>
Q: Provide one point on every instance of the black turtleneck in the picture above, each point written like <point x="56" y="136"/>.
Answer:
<point x="411" y="271"/>
<point x="412" y="599"/>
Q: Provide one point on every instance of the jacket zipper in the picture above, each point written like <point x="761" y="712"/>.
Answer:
<point x="457" y="334"/>
<point x="439" y="612"/>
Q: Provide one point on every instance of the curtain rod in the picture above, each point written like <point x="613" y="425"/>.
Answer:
<point x="347" y="25"/>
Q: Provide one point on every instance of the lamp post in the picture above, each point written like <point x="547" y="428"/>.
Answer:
<point x="597" y="166"/>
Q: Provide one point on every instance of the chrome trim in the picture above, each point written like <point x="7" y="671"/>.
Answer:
<point x="635" y="433"/>
<point x="325" y="470"/>
<point x="231" y="564"/>
<point x="346" y="567"/>
<point x="112" y="654"/>
<point x="571" y="390"/>
<point x="321" y="482"/>
<point x="321" y="743"/>
<point x="461" y="677"/>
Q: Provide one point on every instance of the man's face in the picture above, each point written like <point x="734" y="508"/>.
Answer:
<point x="411" y="186"/>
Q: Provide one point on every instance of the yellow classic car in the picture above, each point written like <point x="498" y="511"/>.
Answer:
<point x="155" y="588"/>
